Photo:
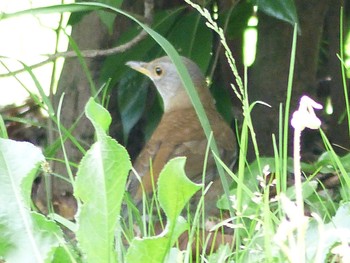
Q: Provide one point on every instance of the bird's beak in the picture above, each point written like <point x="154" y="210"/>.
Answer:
<point x="139" y="66"/>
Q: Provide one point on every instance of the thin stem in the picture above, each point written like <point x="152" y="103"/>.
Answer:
<point x="299" y="197"/>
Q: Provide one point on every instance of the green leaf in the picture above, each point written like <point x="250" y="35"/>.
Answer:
<point x="238" y="19"/>
<point x="155" y="249"/>
<point x="65" y="254"/>
<point x="281" y="9"/>
<point x="328" y="165"/>
<point x="174" y="191"/>
<point x="176" y="229"/>
<point x="99" y="116"/>
<point x="25" y="236"/>
<point x="131" y="100"/>
<point x="308" y="189"/>
<point x="151" y="249"/>
<point x="174" y="188"/>
<point x="100" y="186"/>
<point x="222" y="95"/>
<point x="153" y="116"/>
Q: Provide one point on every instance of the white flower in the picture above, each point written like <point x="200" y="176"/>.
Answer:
<point x="305" y="116"/>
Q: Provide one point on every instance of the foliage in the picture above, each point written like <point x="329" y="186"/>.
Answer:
<point x="26" y="236"/>
<point x="100" y="185"/>
<point x="174" y="191"/>
<point x="284" y="10"/>
<point x="264" y="227"/>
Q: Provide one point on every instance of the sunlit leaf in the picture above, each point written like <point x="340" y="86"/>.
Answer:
<point x="174" y="188"/>
<point x="25" y="236"/>
<point x="151" y="249"/>
<point x="174" y="191"/>
<point x="100" y="186"/>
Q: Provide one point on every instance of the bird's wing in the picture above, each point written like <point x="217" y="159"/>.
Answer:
<point x="195" y="151"/>
<point x="179" y="134"/>
<point x="148" y="166"/>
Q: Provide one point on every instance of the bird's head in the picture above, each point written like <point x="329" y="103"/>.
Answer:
<point x="164" y="75"/>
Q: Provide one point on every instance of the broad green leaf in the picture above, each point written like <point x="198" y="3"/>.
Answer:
<point x="155" y="249"/>
<point x="176" y="229"/>
<point x="25" y="236"/>
<point x="66" y="254"/>
<point x="131" y="100"/>
<point x="281" y="9"/>
<point x="100" y="186"/>
<point x="174" y="191"/>
<point x="150" y="249"/>
<point x="174" y="188"/>
<point x="99" y="116"/>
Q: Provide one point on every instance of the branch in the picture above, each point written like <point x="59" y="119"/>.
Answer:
<point x="101" y="52"/>
<point x="148" y="16"/>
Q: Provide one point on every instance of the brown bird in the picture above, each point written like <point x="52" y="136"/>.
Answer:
<point x="180" y="133"/>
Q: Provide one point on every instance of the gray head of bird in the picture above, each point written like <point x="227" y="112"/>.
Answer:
<point x="165" y="77"/>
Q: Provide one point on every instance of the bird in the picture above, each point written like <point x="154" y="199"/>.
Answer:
<point x="179" y="132"/>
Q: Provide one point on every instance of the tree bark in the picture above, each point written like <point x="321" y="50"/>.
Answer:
<point x="89" y="33"/>
<point x="268" y="77"/>
<point x="338" y="126"/>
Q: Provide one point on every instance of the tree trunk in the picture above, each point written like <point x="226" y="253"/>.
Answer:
<point x="268" y="77"/>
<point x="89" y="33"/>
<point x="337" y="127"/>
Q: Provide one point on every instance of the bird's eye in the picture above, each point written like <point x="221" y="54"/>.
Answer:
<point x="158" y="70"/>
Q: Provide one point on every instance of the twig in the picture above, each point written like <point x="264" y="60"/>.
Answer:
<point x="101" y="52"/>
<point x="148" y="16"/>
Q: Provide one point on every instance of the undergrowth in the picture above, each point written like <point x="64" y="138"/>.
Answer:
<point x="267" y="220"/>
